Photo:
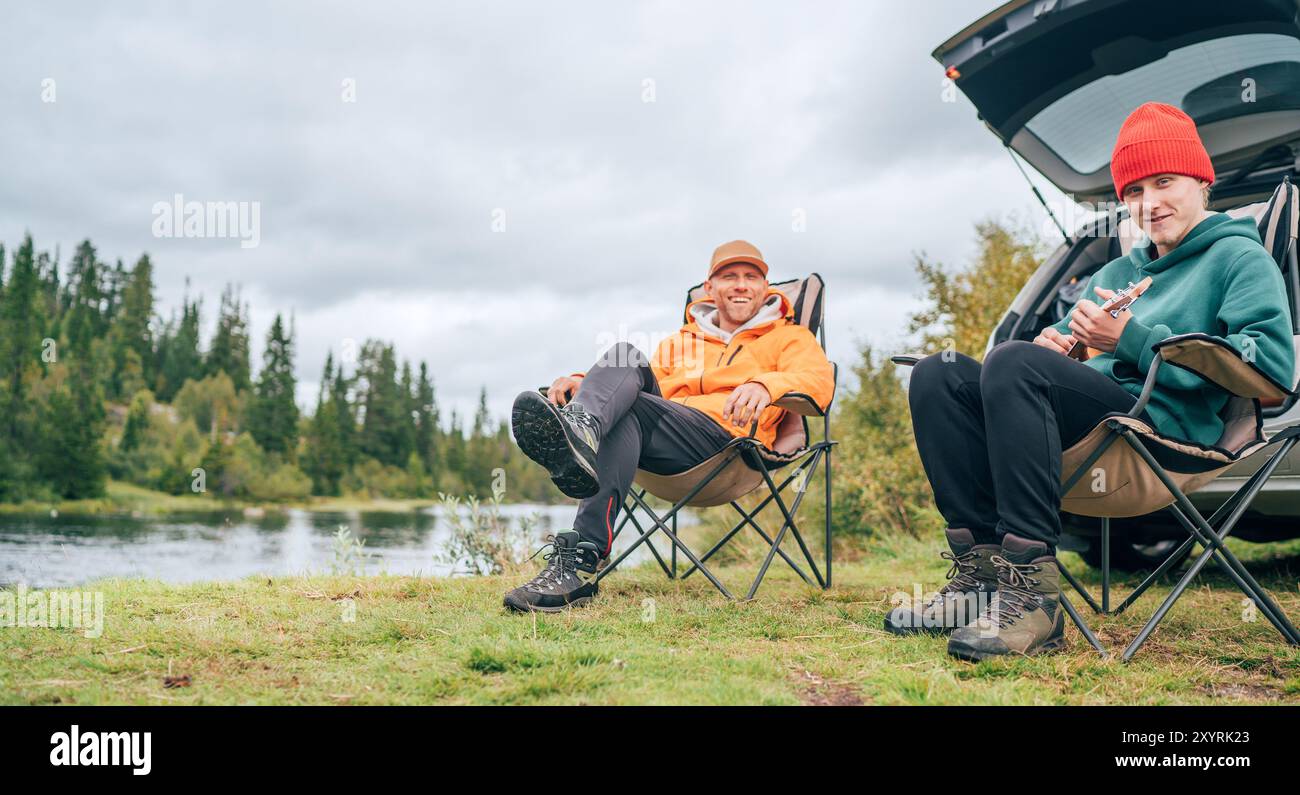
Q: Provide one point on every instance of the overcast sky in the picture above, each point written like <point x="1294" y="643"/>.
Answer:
<point x="500" y="188"/>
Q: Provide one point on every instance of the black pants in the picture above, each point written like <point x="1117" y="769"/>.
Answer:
<point x="990" y="436"/>
<point x="639" y="428"/>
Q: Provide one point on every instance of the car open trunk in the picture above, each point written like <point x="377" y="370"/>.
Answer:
<point x="1054" y="79"/>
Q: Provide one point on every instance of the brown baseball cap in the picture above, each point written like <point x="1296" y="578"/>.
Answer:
<point x="736" y="251"/>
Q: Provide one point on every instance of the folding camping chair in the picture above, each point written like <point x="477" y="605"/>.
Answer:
<point x="1153" y="471"/>
<point x="744" y="465"/>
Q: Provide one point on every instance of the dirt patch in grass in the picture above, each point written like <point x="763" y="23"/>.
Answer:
<point x="1242" y="691"/>
<point x="815" y="691"/>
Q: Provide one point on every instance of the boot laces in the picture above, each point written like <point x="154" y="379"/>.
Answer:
<point x="561" y="562"/>
<point x="580" y="416"/>
<point x="960" y="576"/>
<point x="1016" y="595"/>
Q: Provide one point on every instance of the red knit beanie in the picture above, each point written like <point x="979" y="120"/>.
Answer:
<point x="1158" y="139"/>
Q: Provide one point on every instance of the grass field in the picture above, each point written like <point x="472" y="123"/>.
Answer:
<point x="645" y="640"/>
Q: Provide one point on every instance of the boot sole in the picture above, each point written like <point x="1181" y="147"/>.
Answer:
<point x="539" y="432"/>
<point x="921" y="630"/>
<point x="963" y="651"/>
<point x="527" y="608"/>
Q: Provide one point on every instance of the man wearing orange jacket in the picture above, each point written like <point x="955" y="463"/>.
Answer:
<point x="739" y="351"/>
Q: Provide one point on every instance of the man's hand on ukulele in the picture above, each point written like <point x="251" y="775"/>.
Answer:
<point x="1094" y="326"/>
<point x="563" y="389"/>
<point x="745" y="403"/>
<point x="1051" y="338"/>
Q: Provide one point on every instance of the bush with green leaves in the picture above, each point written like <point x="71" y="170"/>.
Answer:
<point x="481" y="540"/>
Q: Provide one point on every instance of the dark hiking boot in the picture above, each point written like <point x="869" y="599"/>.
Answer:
<point x="589" y="559"/>
<point x="1025" y="616"/>
<point x="564" y="440"/>
<point x="972" y="581"/>
<point x="558" y="585"/>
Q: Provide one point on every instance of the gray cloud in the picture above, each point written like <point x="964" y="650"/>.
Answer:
<point x="377" y="215"/>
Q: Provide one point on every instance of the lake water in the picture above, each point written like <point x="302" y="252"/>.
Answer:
<point x="59" y="551"/>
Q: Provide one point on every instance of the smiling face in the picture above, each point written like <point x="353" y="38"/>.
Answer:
<point x="738" y="291"/>
<point x="1166" y="207"/>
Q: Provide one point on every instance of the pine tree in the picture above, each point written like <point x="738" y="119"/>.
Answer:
<point x="479" y="454"/>
<point x="273" y="415"/>
<point x="47" y="274"/>
<point x="137" y="421"/>
<point x="69" y="451"/>
<point x="20" y="341"/>
<point x="19" y="357"/>
<point x="132" y="337"/>
<point x="344" y="421"/>
<point x="115" y="281"/>
<point x="325" y="457"/>
<point x="229" y="350"/>
<point x="83" y="301"/>
<point x="384" y="434"/>
<point x="427" y="431"/>
<point x="454" y="458"/>
<point x="407" y="429"/>
<point x="180" y="359"/>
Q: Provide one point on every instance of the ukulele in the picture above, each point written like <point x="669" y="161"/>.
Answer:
<point x="1117" y="303"/>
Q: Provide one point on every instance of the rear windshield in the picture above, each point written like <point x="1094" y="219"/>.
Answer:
<point x="1207" y="80"/>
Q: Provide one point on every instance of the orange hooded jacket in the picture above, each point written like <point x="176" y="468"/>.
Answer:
<point x="697" y="369"/>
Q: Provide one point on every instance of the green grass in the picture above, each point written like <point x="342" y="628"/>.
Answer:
<point x="447" y="641"/>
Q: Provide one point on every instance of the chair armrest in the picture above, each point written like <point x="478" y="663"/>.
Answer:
<point x="799" y="403"/>
<point x="907" y="359"/>
<point x="1219" y="363"/>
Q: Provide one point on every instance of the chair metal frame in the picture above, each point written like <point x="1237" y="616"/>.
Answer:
<point x="749" y="449"/>
<point x="1209" y="533"/>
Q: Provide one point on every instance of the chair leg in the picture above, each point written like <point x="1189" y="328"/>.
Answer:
<point x="1216" y="520"/>
<point x="673" y="551"/>
<point x="1156" y="617"/>
<point x="643" y="538"/>
<point x="639" y="498"/>
<point x="748" y="518"/>
<point x="1105" y="565"/>
<point x="829" y="546"/>
<point x="1196" y="524"/>
<point x="1212" y="541"/>
<point x="1083" y="627"/>
<point x="660" y="525"/>
<point x="780" y="536"/>
<point x="1236" y="571"/>
<point x="1078" y="587"/>
<point x="658" y="556"/>
<point x="767" y="561"/>
<point x="1151" y="578"/>
<point x="789" y="514"/>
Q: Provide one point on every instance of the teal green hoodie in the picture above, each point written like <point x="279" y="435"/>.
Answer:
<point x="1219" y="281"/>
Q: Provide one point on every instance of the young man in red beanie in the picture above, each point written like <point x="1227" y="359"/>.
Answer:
<point x="717" y="378"/>
<point x="991" y="435"/>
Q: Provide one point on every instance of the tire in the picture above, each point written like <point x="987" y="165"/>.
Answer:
<point x="1130" y="556"/>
